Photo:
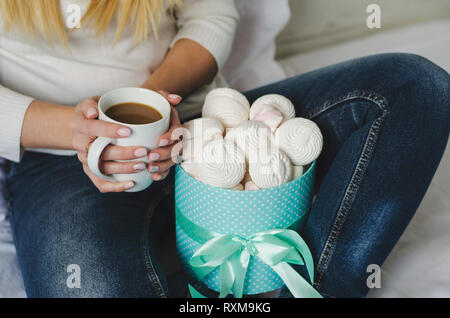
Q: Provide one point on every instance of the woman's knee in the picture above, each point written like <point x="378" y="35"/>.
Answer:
<point x="415" y="88"/>
<point x="415" y="75"/>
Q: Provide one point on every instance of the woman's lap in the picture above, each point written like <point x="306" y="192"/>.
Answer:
<point x="59" y="219"/>
<point x="385" y="125"/>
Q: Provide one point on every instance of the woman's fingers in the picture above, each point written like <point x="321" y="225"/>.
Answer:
<point x="162" y="158"/>
<point x="102" y="128"/>
<point x="123" y="153"/>
<point x="83" y="122"/>
<point x="81" y="143"/>
<point x="173" y="134"/>
<point x="87" y="104"/>
<point x="173" y="99"/>
<point x="159" y="176"/>
<point x="115" y="167"/>
<point x="105" y="186"/>
<point x="166" y="153"/>
<point x="160" y="166"/>
<point x="88" y="108"/>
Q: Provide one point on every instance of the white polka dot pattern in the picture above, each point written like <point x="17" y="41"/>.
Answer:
<point x="242" y="213"/>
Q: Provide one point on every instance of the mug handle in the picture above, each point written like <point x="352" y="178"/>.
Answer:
<point x="94" y="153"/>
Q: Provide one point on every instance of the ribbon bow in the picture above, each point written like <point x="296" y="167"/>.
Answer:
<point x="231" y="253"/>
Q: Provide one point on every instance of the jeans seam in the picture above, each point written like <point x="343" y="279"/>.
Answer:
<point x="10" y="205"/>
<point x="149" y="267"/>
<point x="358" y="172"/>
<point x="370" y="96"/>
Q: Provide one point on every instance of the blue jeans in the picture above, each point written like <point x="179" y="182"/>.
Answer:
<point x="385" y="120"/>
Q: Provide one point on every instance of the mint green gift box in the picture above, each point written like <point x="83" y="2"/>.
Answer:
<point x="239" y="213"/>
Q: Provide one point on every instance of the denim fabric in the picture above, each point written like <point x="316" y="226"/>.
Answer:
<point x="385" y="120"/>
<point x="59" y="218"/>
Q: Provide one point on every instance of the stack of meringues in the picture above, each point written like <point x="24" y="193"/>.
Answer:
<point x="239" y="147"/>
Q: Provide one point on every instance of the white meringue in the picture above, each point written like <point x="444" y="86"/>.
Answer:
<point x="222" y="164"/>
<point x="297" y="172"/>
<point x="252" y="137"/>
<point x="272" y="170"/>
<point x="227" y="105"/>
<point x="204" y="128"/>
<point x="190" y="168"/>
<point x="300" y="139"/>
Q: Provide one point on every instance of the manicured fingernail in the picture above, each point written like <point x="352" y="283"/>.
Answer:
<point x="124" y="132"/>
<point x="139" y="166"/>
<point x="154" y="169"/>
<point x="141" y="152"/>
<point x="174" y="96"/>
<point x="163" y="143"/>
<point x="129" y="185"/>
<point x="154" y="156"/>
<point x="91" y="112"/>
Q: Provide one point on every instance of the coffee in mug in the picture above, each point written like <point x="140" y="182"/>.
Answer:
<point x="133" y="113"/>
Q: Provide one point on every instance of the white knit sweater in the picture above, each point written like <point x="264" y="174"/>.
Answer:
<point x="31" y="69"/>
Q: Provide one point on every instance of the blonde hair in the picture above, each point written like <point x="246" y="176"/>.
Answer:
<point x="44" y="17"/>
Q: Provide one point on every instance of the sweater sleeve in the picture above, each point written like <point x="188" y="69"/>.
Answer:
<point x="211" y="23"/>
<point x="12" y="112"/>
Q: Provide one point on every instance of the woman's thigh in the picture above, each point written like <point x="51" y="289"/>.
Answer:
<point x="73" y="241"/>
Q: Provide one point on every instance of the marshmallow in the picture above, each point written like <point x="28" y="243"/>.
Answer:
<point x="272" y="170"/>
<point x="227" y="105"/>
<point x="297" y="172"/>
<point x="250" y="186"/>
<point x="222" y="165"/>
<point x="272" y="109"/>
<point x="251" y="137"/>
<point x="205" y="128"/>
<point x="271" y="118"/>
<point x="300" y="139"/>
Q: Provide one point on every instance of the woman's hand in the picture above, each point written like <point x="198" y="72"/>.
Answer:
<point x="85" y="129"/>
<point x="161" y="159"/>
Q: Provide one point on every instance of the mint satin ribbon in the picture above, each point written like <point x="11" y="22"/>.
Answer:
<point x="231" y="253"/>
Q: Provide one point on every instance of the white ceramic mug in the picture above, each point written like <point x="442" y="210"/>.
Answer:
<point x="145" y="135"/>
